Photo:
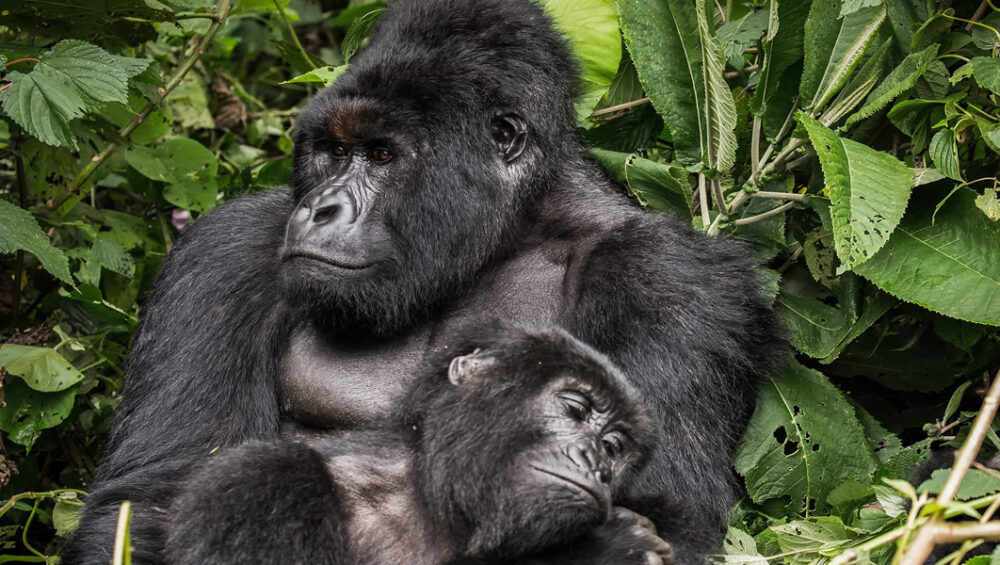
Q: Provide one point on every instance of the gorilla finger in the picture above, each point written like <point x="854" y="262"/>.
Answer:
<point x="653" y="559"/>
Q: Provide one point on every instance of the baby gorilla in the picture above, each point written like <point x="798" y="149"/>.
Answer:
<point x="514" y="442"/>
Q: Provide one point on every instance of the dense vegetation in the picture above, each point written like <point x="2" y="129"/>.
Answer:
<point x="853" y="144"/>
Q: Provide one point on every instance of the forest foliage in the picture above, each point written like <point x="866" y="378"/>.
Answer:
<point x="852" y="144"/>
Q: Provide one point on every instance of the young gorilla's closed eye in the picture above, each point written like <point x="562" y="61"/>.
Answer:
<point x="515" y="445"/>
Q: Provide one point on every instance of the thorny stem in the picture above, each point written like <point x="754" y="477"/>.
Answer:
<point x="187" y="65"/>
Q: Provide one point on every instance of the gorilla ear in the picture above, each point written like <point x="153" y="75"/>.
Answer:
<point x="510" y="133"/>
<point x="465" y="367"/>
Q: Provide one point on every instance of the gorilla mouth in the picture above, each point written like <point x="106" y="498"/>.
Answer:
<point x="301" y="253"/>
<point x="575" y="482"/>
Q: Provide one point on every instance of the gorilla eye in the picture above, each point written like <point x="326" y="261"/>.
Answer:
<point x="338" y="150"/>
<point x="380" y="155"/>
<point x="613" y="443"/>
<point x="577" y="406"/>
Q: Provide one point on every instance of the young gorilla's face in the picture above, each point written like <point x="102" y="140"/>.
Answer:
<point x="534" y="450"/>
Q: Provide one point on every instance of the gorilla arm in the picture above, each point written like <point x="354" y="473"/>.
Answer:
<point x="682" y="317"/>
<point x="200" y="373"/>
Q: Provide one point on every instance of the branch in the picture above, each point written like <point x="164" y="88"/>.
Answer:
<point x="619" y="107"/>
<point x="761" y="217"/>
<point x="199" y="50"/>
<point x="779" y="195"/>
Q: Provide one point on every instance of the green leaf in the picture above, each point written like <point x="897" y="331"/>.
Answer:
<point x="719" y="147"/>
<point x="324" y="75"/>
<point x="885" y="444"/>
<point x="186" y="166"/>
<point x="66" y="518"/>
<point x="987" y="72"/>
<point x="950" y="266"/>
<point x="21" y="231"/>
<point x="944" y="153"/>
<point x="989" y="203"/>
<point x="591" y="26"/>
<point x="738" y="35"/>
<point x="662" y="38"/>
<point x="868" y="193"/>
<point x="109" y="255"/>
<point x="955" y="400"/>
<point x="803" y="441"/>
<point x="42" y="368"/>
<point x="975" y="484"/>
<point x="70" y="79"/>
<point x="658" y="186"/>
<point x="782" y="49"/>
<point x="817" y="328"/>
<point x="359" y="31"/>
<point x="739" y="547"/>
<point x="29" y="411"/>
<point x="813" y="534"/>
<point x="851" y="6"/>
<point x="901" y="79"/>
<point x="833" y="47"/>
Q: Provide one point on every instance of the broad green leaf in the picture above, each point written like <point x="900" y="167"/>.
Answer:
<point x="950" y="266"/>
<point x="975" y="484"/>
<point x="662" y="38"/>
<point x="42" y="368"/>
<point x="592" y="29"/>
<point x="885" y="444"/>
<point x="901" y="79"/>
<point x="802" y="441"/>
<point x="904" y="16"/>
<point x="658" y="186"/>
<point x="782" y="49"/>
<point x="987" y="72"/>
<point x="833" y="47"/>
<point x="21" y="231"/>
<point x="66" y="518"/>
<point x="736" y="36"/>
<point x="815" y="534"/>
<point x="70" y="79"/>
<point x="851" y="6"/>
<point x="186" y="166"/>
<point x="817" y="328"/>
<point x="990" y="132"/>
<point x="324" y="75"/>
<point x="868" y="193"/>
<point x="109" y="255"/>
<point x="740" y="548"/>
<point x="944" y="153"/>
<point x="719" y="146"/>
<point x="29" y="411"/>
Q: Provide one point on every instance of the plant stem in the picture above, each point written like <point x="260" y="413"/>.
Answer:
<point x="36" y="495"/>
<point x="291" y="31"/>
<point x="619" y="107"/>
<point x="720" y="199"/>
<point x="763" y="216"/>
<point x="22" y="196"/>
<point x="703" y="199"/>
<point x="779" y="195"/>
<point x="128" y="128"/>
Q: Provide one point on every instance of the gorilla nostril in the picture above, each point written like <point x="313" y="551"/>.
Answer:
<point x="327" y="214"/>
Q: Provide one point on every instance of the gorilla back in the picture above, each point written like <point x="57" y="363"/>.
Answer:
<point x="439" y="180"/>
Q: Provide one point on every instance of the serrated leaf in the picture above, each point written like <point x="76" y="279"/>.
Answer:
<point x="738" y="35"/>
<point x="42" y="368"/>
<point x="662" y="38"/>
<point x="739" y="548"/>
<point x="813" y="534"/>
<point x="719" y="147"/>
<point x="659" y="186"/>
<point x="901" y="79"/>
<point x="802" y="441"/>
<point x="987" y="73"/>
<point x="817" y="328"/>
<point x="833" y="47"/>
<point x="944" y="152"/>
<point x="109" y="255"/>
<point x="29" y="411"/>
<point x="186" y="166"/>
<point x="989" y="203"/>
<point x="324" y="75"/>
<point x="974" y="485"/>
<point x="66" y="518"/>
<point x="786" y="31"/>
<point x="868" y="193"/>
<point x="591" y="26"/>
<point x="70" y="79"/>
<point x="950" y="264"/>
<point x="851" y="6"/>
<point x="21" y="231"/>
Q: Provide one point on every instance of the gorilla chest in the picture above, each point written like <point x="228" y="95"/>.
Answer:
<point x="324" y="383"/>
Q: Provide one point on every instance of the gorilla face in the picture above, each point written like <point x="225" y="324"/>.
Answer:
<point x="543" y="431"/>
<point x="415" y="168"/>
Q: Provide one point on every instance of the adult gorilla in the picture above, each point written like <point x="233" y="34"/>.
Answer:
<point x="438" y="180"/>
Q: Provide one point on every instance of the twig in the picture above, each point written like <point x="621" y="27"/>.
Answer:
<point x="703" y="199"/>
<point x="761" y="217"/>
<point x="22" y="60"/>
<point x="34" y="495"/>
<point x="779" y="195"/>
<point x="199" y="50"/>
<point x="992" y="472"/>
<point x="619" y="107"/>
<point x="791" y="260"/>
<point x="936" y="531"/>
<point x="755" y="145"/>
<point x="719" y="197"/>
<point x="734" y="74"/>
<point x="976" y="16"/>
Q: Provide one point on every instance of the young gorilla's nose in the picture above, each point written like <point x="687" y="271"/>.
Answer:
<point x="334" y="207"/>
<point x="588" y="457"/>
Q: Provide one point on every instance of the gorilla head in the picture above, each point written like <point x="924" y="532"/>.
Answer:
<point x="413" y="170"/>
<point x="527" y="440"/>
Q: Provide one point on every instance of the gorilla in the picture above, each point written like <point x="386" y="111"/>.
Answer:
<point x="439" y="180"/>
<point x="511" y="441"/>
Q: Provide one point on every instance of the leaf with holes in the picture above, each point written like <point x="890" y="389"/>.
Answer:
<point x="69" y="80"/>
<point x="659" y="186"/>
<point x="186" y="166"/>
<point x="814" y="535"/>
<point x="29" y="411"/>
<point x="42" y="368"/>
<point x="21" y="231"/>
<point x="803" y="441"/>
<point x="949" y="263"/>
<point x="868" y="193"/>
<point x="662" y="38"/>
<point x="833" y="47"/>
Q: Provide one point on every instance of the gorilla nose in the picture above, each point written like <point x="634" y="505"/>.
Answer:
<point x="588" y="457"/>
<point x="334" y="207"/>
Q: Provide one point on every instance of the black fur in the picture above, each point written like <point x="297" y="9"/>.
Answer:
<point x="452" y="479"/>
<point x="468" y="233"/>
